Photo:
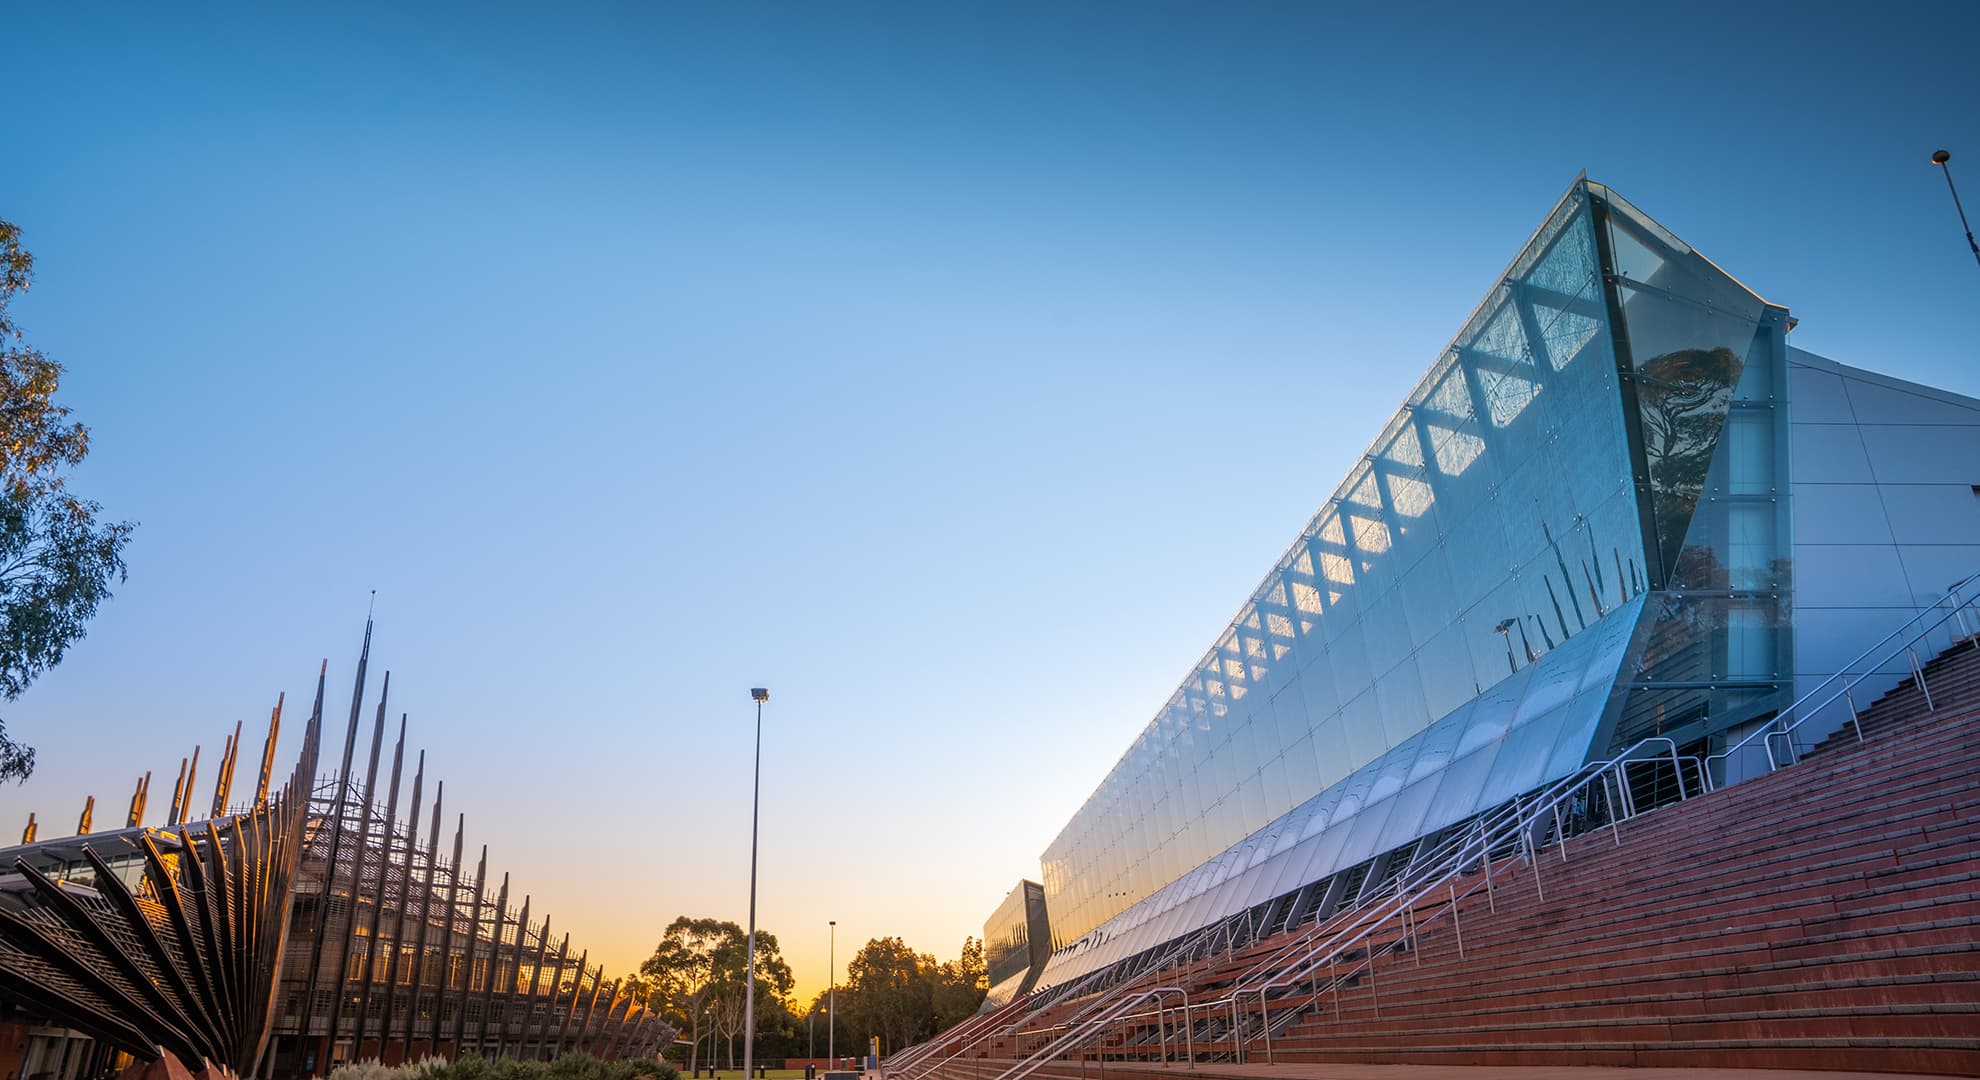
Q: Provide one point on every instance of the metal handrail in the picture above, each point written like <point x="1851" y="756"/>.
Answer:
<point x="1047" y="996"/>
<point x="1457" y="855"/>
<point x="1515" y="820"/>
<point x="973" y="1029"/>
<point x="1623" y="806"/>
<point x="990" y="1030"/>
<point x="1767" y="733"/>
<point x="1471" y="848"/>
<point x="1092" y="1027"/>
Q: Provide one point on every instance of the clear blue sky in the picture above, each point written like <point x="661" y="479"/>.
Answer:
<point x="954" y="373"/>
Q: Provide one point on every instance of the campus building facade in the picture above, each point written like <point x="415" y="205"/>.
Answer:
<point x="323" y="921"/>
<point x="1618" y="506"/>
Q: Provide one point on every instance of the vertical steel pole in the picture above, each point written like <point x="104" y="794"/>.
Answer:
<point x="425" y="920"/>
<point x="399" y="928"/>
<point x="832" y="994"/>
<point x="1456" y="926"/>
<point x="577" y="992"/>
<point x="749" y="974"/>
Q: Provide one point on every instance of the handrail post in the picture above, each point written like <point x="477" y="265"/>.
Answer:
<point x="1615" y="830"/>
<point x="1919" y="673"/>
<point x="1533" y="861"/>
<point x="1374" y="996"/>
<point x="1491" y="900"/>
<point x="1265" y="1014"/>
<point x="1455" y="924"/>
<point x="1849" y="695"/>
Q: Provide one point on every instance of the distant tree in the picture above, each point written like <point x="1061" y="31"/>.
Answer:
<point x="958" y="986"/>
<point x="773" y="984"/>
<point x="891" y="992"/>
<point x="905" y="997"/>
<point x="696" y="979"/>
<point x="681" y="974"/>
<point x="56" y="560"/>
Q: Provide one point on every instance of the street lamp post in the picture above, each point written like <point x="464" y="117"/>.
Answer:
<point x="1940" y="158"/>
<point x="832" y="995"/>
<point x="749" y="970"/>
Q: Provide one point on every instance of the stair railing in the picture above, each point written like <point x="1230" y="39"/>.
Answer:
<point x="1842" y="684"/>
<point x="1355" y="907"/>
<point x="1517" y="821"/>
<point x="1034" y="1003"/>
<point x="1470" y="849"/>
<point x="1952" y="607"/>
<point x="975" y="1029"/>
<point x="1097" y="1025"/>
<point x="1175" y="954"/>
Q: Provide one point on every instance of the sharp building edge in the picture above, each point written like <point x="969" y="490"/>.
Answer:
<point x="1617" y="506"/>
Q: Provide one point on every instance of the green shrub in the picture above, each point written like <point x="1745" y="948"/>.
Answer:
<point x="372" y="1069"/>
<point x="648" y="1069"/>
<point x="573" y="1066"/>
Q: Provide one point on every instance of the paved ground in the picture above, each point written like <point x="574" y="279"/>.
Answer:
<point x="1301" y="1071"/>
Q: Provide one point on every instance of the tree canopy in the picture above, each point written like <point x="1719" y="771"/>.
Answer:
<point x="697" y="980"/>
<point x="56" y="559"/>
<point x="904" y="996"/>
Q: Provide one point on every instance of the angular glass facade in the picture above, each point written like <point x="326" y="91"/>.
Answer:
<point x="1016" y="943"/>
<point x="1573" y="533"/>
<point x="1533" y="725"/>
<point x="1706" y="376"/>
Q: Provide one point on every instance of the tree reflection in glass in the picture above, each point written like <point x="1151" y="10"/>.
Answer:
<point x="1683" y="398"/>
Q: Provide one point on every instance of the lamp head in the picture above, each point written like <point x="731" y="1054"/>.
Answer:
<point x="759" y="694"/>
<point x="1941" y="157"/>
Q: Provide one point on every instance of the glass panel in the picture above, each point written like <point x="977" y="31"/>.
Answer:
<point x="1459" y="787"/>
<point x="1522" y="760"/>
<point x="1406" y="820"/>
<point x="1364" y="832"/>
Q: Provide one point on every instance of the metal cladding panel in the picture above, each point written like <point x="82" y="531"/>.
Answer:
<point x="1886" y="513"/>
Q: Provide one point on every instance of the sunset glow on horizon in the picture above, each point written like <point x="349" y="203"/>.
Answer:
<point x="954" y="373"/>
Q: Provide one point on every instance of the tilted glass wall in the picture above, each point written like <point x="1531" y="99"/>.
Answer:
<point x="1534" y="726"/>
<point x="1706" y="364"/>
<point x="1494" y="518"/>
<point x="1015" y="944"/>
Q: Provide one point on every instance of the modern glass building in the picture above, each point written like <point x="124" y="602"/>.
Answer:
<point x="1579" y="530"/>
<point x="1017" y="943"/>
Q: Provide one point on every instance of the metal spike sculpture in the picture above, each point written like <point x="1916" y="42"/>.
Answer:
<point x="212" y="940"/>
